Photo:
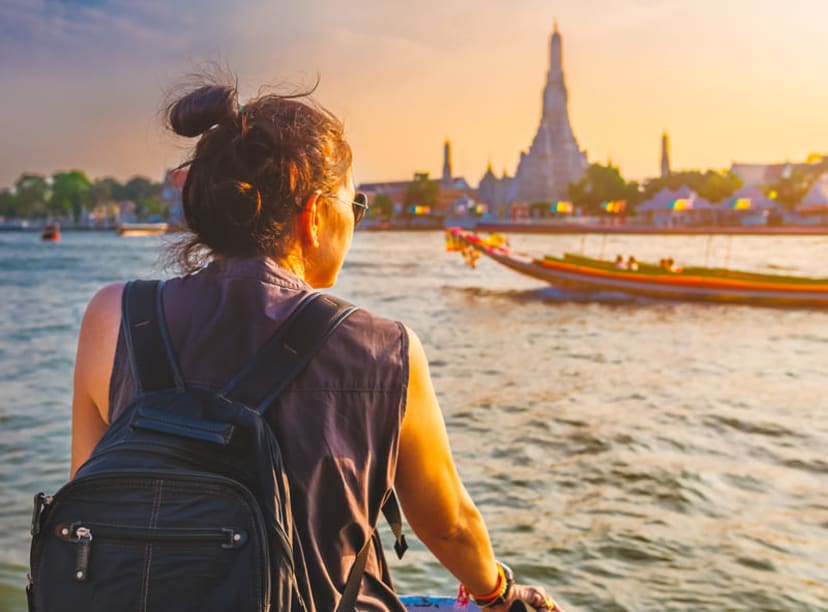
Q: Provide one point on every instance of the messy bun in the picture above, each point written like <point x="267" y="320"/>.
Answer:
<point x="251" y="170"/>
<point x="203" y="108"/>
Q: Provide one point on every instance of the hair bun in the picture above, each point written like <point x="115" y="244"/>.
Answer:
<point x="203" y="108"/>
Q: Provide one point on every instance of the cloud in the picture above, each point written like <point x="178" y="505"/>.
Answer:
<point x="47" y="34"/>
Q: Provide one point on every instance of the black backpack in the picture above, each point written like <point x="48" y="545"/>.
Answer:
<point x="184" y="503"/>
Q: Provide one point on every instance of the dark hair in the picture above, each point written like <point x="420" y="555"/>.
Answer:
<point x="251" y="170"/>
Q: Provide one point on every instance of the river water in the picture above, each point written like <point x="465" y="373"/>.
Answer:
<point x="627" y="454"/>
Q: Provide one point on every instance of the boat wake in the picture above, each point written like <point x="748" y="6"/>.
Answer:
<point x="557" y="295"/>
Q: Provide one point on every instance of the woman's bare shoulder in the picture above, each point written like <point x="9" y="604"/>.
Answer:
<point x="103" y="313"/>
<point x="96" y="347"/>
<point x="106" y="301"/>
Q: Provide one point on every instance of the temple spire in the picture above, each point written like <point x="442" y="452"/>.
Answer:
<point x="447" y="172"/>
<point x="555" y="55"/>
<point x="665" y="154"/>
<point x="554" y="159"/>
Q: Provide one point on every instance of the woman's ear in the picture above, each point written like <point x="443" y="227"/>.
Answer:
<point x="310" y="220"/>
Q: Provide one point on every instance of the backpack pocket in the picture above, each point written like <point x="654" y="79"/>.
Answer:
<point x="151" y="541"/>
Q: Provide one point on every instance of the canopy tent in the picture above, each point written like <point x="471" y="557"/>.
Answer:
<point x="816" y="200"/>
<point x="749" y="199"/>
<point x="680" y="199"/>
<point x="562" y="208"/>
<point x="675" y="207"/>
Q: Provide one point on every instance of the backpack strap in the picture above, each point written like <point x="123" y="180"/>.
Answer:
<point x="288" y="351"/>
<point x="151" y="357"/>
<point x="393" y="515"/>
<point x="391" y="510"/>
<point x="349" y="594"/>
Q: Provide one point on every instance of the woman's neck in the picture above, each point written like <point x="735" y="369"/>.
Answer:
<point x="294" y="263"/>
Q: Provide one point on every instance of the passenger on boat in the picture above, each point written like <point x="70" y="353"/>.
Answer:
<point x="619" y="262"/>
<point x="270" y="203"/>
<point x="669" y="265"/>
<point x="632" y="264"/>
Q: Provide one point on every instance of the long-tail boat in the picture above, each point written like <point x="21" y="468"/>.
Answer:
<point x="50" y="232"/>
<point x="584" y="274"/>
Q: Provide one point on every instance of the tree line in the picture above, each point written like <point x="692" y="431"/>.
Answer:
<point x="67" y="195"/>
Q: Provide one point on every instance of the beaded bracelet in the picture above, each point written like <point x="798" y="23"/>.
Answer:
<point x="505" y="580"/>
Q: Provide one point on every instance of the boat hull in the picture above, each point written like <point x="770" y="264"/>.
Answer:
<point x="715" y="286"/>
<point x="142" y="229"/>
<point x="416" y="602"/>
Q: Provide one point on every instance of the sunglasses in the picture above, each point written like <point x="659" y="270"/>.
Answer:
<point x="359" y="205"/>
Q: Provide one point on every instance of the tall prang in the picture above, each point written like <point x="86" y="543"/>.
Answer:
<point x="554" y="160"/>
<point x="665" y="154"/>
<point x="447" y="172"/>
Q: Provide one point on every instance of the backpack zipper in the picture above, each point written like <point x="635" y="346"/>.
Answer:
<point x="81" y="533"/>
<point x="84" y="540"/>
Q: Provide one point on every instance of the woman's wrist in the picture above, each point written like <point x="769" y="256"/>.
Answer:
<point x="500" y="593"/>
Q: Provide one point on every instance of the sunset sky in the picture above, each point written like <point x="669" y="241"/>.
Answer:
<point x="729" y="80"/>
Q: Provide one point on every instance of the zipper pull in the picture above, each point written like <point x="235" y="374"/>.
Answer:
<point x="84" y="541"/>
<point x="41" y="504"/>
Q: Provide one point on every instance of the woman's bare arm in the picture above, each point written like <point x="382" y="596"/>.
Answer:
<point x="433" y="498"/>
<point x="93" y="368"/>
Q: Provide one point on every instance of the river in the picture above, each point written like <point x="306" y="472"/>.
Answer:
<point x="627" y="454"/>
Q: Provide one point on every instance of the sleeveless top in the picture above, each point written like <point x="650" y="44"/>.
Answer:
<point x="337" y="424"/>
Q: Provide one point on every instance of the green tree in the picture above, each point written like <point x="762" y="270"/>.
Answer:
<point x="421" y="192"/>
<point x="601" y="184"/>
<point x="103" y="191"/>
<point x="382" y="206"/>
<point x="119" y="191"/>
<point x="789" y="190"/>
<point x="8" y="204"/>
<point x="140" y="187"/>
<point x="673" y="181"/>
<point x="146" y="196"/>
<point x="31" y="195"/>
<point x="716" y="186"/>
<point x="70" y="193"/>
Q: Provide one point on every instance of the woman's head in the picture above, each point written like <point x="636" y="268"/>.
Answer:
<point x="256" y="174"/>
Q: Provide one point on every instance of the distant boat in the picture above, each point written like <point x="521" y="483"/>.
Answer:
<point x="142" y="229"/>
<point x="588" y="275"/>
<point x="51" y="232"/>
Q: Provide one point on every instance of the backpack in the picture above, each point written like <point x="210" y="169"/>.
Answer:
<point x="184" y="504"/>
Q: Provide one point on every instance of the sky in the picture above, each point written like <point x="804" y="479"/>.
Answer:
<point x="82" y="82"/>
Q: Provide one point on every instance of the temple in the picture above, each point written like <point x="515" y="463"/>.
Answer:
<point x="554" y="160"/>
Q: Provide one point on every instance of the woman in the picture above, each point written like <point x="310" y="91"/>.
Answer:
<point x="270" y="203"/>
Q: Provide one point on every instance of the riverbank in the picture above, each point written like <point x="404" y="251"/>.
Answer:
<point x="508" y="227"/>
<point x="597" y="228"/>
